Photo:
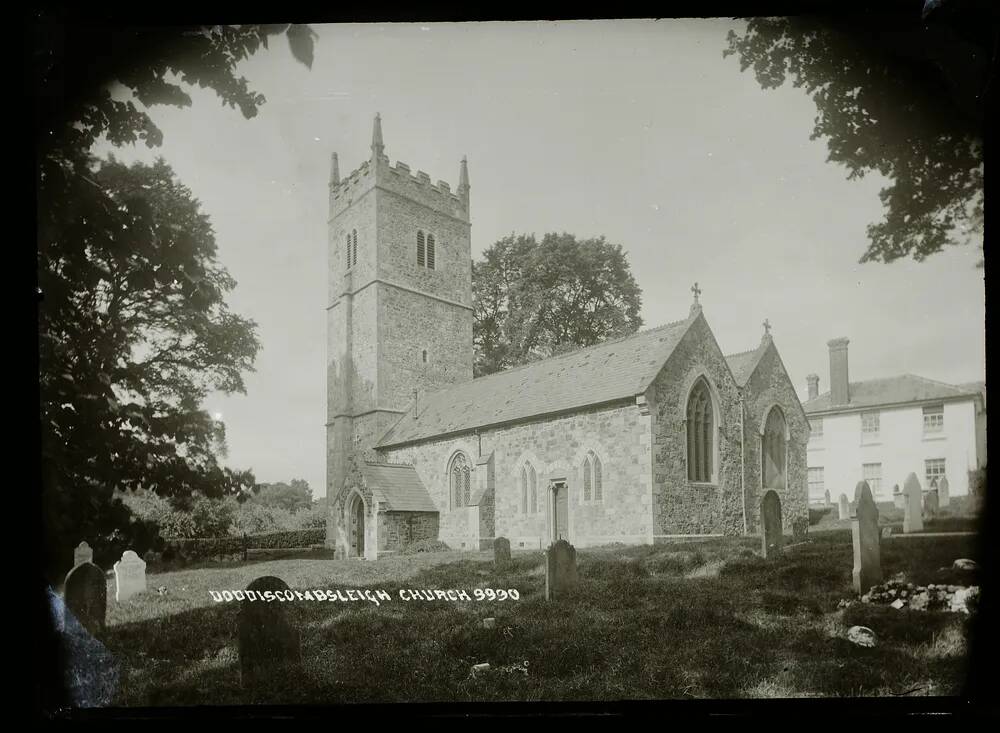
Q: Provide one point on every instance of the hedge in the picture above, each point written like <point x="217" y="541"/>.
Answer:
<point x="199" y="548"/>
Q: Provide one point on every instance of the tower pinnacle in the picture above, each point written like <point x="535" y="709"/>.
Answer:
<point x="378" y="149"/>
<point x="334" y="170"/>
<point x="463" y="176"/>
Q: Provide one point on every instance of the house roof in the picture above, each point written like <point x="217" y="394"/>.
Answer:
<point x="399" y="488"/>
<point x="743" y="363"/>
<point x="605" y="372"/>
<point x="892" y="391"/>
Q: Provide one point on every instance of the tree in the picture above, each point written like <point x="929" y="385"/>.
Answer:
<point x="133" y="326"/>
<point x="896" y="93"/>
<point x="535" y="299"/>
<point x="292" y="496"/>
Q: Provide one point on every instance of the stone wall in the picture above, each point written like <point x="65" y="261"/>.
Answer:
<point x="399" y="529"/>
<point x="682" y="507"/>
<point x="618" y="434"/>
<point x="768" y="386"/>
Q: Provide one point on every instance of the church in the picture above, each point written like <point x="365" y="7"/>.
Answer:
<point x="639" y="440"/>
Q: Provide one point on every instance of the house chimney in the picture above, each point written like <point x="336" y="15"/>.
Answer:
<point x="813" y="381"/>
<point x="839" y="394"/>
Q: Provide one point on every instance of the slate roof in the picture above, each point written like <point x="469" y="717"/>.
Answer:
<point x="399" y="488"/>
<point x="597" y="374"/>
<point x="743" y="363"/>
<point x="892" y="391"/>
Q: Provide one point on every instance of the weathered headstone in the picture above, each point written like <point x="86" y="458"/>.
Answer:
<point x="82" y="554"/>
<point x="931" y="503"/>
<point x="268" y="640"/>
<point x="560" y="569"/>
<point x="85" y="596"/>
<point x="898" y="497"/>
<point x="130" y="576"/>
<point x="826" y="498"/>
<point x="770" y="519"/>
<point x="866" y="538"/>
<point x="501" y="552"/>
<point x="844" y="507"/>
<point x="944" y="492"/>
<point x="912" y="520"/>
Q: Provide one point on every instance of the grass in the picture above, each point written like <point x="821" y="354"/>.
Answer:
<point x="705" y="619"/>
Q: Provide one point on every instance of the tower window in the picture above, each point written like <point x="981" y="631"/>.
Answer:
<point x="354" y="247"/>
<point x="430" y="251"/>
<point x="347" y="252"/>
<point x="420" y="249"/>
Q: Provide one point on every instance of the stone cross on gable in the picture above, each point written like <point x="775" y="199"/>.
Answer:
<point x="697" y="291"/>
<point x="767" y="327"/>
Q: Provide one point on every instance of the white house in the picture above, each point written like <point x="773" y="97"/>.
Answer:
<point x="881" y="430"/>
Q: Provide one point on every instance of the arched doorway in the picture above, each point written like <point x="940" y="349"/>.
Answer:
<point x="356" y="515"/>
<point x="773" y="451"/>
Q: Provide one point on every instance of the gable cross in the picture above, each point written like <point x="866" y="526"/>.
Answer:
<point x="696" y="290"/>
<point x="767" y="327"/>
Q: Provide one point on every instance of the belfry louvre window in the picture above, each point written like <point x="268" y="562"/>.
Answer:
<point x="461" y="480"/>
<point x="347" y="251"/>
<point x="420" y="250"/>
<point x="354" y="247"/>
<point x="700" y="433"/>
<point x="430" y="251"/>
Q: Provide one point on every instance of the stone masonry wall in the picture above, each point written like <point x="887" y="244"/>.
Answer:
<point x="769" y="385"/>
<point x="619" y="435"/>
<point x="681" y="507"/>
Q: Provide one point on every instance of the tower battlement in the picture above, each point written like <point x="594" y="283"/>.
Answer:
<point x="401" y="179"/>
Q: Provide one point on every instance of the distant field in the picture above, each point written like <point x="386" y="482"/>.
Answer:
<point x="705" y="619"/>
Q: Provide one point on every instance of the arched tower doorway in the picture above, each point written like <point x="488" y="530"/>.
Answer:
<point x="356" y="522"/>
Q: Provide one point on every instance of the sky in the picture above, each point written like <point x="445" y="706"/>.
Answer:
<point x="639" y="131"/>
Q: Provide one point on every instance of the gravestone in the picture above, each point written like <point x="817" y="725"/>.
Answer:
<point x="560" y="569"/>
<point x="866" y="539"/>
<point x="931" y="503"/>
<point x="501" y="552"/>
<point x="826" y="498"/>
<point x="82" y="554"/>
<point x="268" y="641"/>
<point x="130" y="576"/>
<point x="898" y="497"/>
<point x="85" y="596"/>
<point x="912" y="520"/>
<point x="800" y="529"/>
<point x="844" y="507"/>
<point x="770" y="519"/>
<point x="944" y="492"/>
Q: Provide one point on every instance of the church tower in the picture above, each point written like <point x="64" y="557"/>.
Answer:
<point x="399" y="311"/>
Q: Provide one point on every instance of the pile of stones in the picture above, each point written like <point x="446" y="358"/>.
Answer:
<point x="898" y="594"/>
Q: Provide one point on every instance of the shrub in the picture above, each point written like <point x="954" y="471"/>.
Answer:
<point x="424" y="546"/>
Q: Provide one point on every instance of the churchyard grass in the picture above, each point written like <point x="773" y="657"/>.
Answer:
<point x="705" y="619"/>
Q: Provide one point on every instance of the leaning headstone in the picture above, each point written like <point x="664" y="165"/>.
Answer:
<point x="944" y="492"/>
<point x="771" y="531"/>
<point x="501" y="552"/>
<point x="130" y="576"/>
<point x="931" y="503"/>
<point x="85" y="596"/>
<point x="268" y="640"/>
<point x="82" y="554"/>
<point x="844" y="507"/>
<point x="898" y="497"/>
<point x="866" y="539"/>
<point x="560" y="569"/>
<point x="912" y="521"/>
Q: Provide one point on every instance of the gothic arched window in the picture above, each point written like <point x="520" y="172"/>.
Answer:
<point x="700" y="433"/>
<point x="592" y="478"/>
<point x="532" y="490"/>
<point x="420" y="249"/>
<point x="461" y="480"/>
<point x="430" y="251"/>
